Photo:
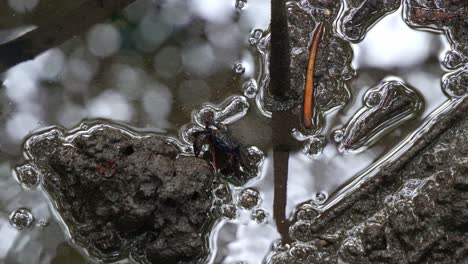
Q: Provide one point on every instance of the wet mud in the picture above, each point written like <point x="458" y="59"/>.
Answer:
<point x="414" y="211"/>
<point x="123" y="195"/>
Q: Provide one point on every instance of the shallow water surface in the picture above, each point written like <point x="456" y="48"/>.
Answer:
<point x="156" y="67"/>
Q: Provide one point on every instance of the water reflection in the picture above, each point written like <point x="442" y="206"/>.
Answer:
<point x="104" y="40"/>
<point x="110" y="104"/>
<point x="393" y="44"/>
<point x="23" y="6"/>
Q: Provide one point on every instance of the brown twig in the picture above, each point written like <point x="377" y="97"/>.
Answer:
<point x="309" y="82"/>
<point x="282" y="121"/>
<point x="58" y="30"/>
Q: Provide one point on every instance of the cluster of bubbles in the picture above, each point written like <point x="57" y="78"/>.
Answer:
<point x="222" y="202"/>
<point x="314" y="146"/>
<point x="249" y="199"/>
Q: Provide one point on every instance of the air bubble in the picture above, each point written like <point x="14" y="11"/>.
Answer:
<point x="320" y="197"/>
<point x="249" y="198"/>
<point x="259" y="216"/>
<point x="373" y="99"/>
<point x="238" y="68"/>
<point x="28" y="176"/>
<point x="229" y="211"/>
<point x="255" y="156"/>
<point x="21" y="218"/>
<point x="240" y="4"/>
<point x="306" y="213"/>
<point x="456" y="84"/>
<point x="338" y="136"/>
<point x="314" y="146"/>
<point x="250" y="88"/>
<point x="453" y="60"/>
<point x="255" y="37"/>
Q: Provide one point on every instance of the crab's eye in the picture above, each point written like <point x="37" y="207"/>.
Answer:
<point x="373" y="99"/>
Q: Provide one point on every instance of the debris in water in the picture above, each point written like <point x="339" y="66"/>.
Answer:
<point x="21" y="218"/>
<point x="236" y="162"/>
<point x="308" y="104"/>
<point x="385" y="106"/>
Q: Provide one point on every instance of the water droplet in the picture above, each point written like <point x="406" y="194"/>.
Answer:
<point x="240" y="4"/>
<point x="314" y="146"/>
<point x="28" y="176"/>
<point x="250" y="88"/>
<point x="249" y="198"/>
<point x="259" y="216"/>
<point x="238" y="68"/>
<point x="320" y="197"/>
<point x="21" y="218"/>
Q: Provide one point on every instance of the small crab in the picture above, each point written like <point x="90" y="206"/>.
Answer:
<point x="225" y="149"/>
